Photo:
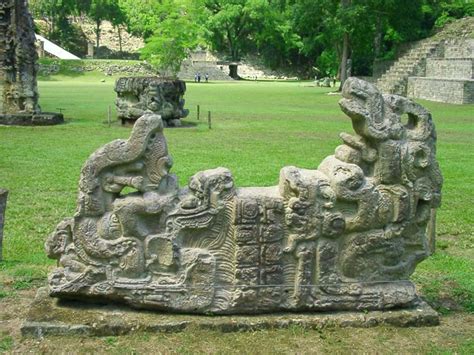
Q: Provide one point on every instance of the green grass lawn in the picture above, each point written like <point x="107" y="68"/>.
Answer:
<point x="257" y="128"/>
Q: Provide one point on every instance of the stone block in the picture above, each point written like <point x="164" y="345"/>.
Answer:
<point x="459" y="49"/>
<point x="36" y="119"/>
<point x="450" y="68"/>
<point x="455" y="91"/>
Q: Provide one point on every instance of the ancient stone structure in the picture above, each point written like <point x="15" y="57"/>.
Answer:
<point x="18" y="68"/>
<point x="345" y="236"/>
<point x="3" y="207"/>
<point x="138" y="95"/>
<point x="203" y="62"/>
<point x="448" y="77"/>
<point x="439" y="68"/>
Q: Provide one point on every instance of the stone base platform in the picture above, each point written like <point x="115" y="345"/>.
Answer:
<point x="28" y="119"/>
<point x="453" y="91"/>
<point x="48" y="316"/>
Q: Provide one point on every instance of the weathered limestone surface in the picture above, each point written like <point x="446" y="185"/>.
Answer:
<point x="450" y="68"/>
<point x="3" y="207"/>
<point x="454" y="91"/>
<point x="18" y="68"/>
<point x="138" y="95"/>
<point x="49" y="317"/>
<point x="345" y="236"/>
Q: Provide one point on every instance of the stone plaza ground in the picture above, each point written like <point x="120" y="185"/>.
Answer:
<point x="257" y="129"/>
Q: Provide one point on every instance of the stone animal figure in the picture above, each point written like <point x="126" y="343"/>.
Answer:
<point x="344" y="236"/>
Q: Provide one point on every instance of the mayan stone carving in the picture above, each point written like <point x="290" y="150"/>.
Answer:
<point x="137" y="95"/>
<point x="345" y="236"/>
<point x="18" y="68"/>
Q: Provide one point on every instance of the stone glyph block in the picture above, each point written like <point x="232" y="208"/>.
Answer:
<point x="345" y="236"/>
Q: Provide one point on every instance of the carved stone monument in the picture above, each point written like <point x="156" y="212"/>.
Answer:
<point x="345" y="236"/>
<point x="18" y="68"/>
<point x="3" y="207"/>
<point x="137" y="95"/>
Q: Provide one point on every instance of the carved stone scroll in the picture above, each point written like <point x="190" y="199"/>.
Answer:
<point x="345" y="236"/>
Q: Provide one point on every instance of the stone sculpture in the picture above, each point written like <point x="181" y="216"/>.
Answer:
<point x="3" y="207"/>
<point x="345" y="236"/>
<point x="137" y="95"/>
<point x="18" y="68"/>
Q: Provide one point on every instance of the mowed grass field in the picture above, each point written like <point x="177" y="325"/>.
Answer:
<point x="257" y="128"/>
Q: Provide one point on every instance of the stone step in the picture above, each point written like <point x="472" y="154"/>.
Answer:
<point x="395" y="79"/>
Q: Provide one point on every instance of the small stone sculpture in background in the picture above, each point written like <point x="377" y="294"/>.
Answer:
<point x="138" y="95"/>
<point x="3" y="208"/>
<point x="324" y="82"/>
<point x="18" y="68"/>
<point x="345" y="236"/>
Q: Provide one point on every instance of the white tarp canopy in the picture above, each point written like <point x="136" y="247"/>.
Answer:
<point x="55" y="50"/>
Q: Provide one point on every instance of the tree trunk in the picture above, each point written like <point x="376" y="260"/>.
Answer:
<point x="345" y="49"/>
<point x="119" y="30"/>
<point x="378" y="36"/>
<point x="344" y="59"/>
<point x="97" y="34"/>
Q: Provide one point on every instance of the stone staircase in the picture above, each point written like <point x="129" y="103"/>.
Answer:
<point x="413" y="63"/>
<point x="216" y="72"/>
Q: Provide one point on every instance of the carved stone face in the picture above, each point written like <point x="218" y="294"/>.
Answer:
<point x="326" y="195"/>
<point x="361" y="100"/>
<point x="109" y="227"/>
<point x="56" y="244"/>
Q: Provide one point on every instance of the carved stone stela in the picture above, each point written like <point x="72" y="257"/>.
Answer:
<point x="18" y="68"/>
<point x="137" y="95"/>
<point x="345" y="236"/>
<point x="18" y="59"/>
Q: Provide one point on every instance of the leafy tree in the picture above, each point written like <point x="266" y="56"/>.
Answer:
<point x="232" y="24"/>
<point x="53" y="12"/>
<point x="276" y="39"/>
<point x="59" y="29"/>
<point x="177" y="33"/>
<point x="144" y="16"/>
<point x="99" y="11"/>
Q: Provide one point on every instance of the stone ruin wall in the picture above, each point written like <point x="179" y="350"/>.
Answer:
<point x="455" y="91"/>
<point x="344" y="236"/>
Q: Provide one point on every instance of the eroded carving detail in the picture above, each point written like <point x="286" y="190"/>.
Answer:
<point x="137" y="95"/>
<point x="19" y="67"/>
<point x="345" y="236"/>
<point x="18" y="58"/>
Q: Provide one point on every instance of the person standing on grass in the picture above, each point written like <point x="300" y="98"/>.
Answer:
<point x="199" y="77"/>
<point x="195" y="78"/>
<point x="206" y="77"/>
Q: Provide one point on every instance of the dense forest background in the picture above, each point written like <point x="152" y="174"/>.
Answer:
<point x="308" y="37"/>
